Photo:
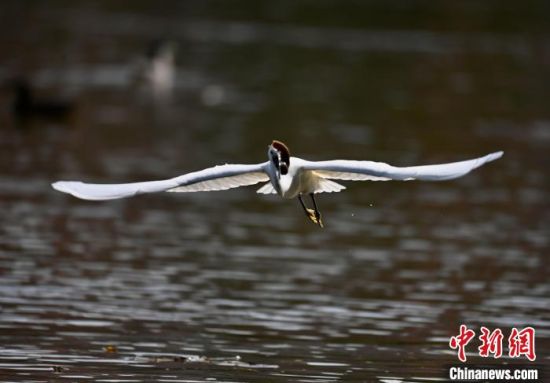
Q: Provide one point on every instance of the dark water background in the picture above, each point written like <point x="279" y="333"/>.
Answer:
<point x="232" y="286"/>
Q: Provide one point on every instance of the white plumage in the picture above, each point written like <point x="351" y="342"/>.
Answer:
<point x="221" y="177"/>
<point x="379" y="171"/>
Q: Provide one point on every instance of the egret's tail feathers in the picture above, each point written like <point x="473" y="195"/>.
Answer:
<point x="266" y="189"/>
<point x="327" y="186"/>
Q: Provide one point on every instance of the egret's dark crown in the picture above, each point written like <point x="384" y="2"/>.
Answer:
<point x="284" y="160"/>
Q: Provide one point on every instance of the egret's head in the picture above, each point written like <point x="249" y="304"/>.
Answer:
<point x="279" y="155"/>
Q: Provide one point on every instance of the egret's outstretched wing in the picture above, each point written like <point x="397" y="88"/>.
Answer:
<point x="379" y="171"/>
<point x="217" y="178"/>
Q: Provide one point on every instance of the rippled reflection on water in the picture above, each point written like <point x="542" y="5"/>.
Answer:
<point x="239" y="287"/>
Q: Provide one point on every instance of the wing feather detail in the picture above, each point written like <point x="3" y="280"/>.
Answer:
<point x="327" y="186"/>
<point x="222" y="183"/>
<point x="266" y="189"/>
<point x="379" y="171"/>
<point x="348" y="176"/>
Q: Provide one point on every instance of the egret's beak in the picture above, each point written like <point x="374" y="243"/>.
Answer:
<point x="279" y="165"/>
<point x="276" y="161"/>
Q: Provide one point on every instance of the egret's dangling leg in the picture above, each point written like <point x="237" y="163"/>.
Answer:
<point x="306" y="210"/>
<point x="317" y="213"/>
<point x="310" y="213"/>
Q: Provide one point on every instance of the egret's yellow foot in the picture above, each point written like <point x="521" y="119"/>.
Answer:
<point x="314" y="217"/>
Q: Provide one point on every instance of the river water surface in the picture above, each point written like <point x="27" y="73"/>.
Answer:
<point x="233" y="286"/>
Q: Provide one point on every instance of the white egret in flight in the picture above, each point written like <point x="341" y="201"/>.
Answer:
<point x="287" y="176"/>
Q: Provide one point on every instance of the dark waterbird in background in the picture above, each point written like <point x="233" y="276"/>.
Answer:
<point x="26" y="105"/>
<point x="287" y="176"/>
